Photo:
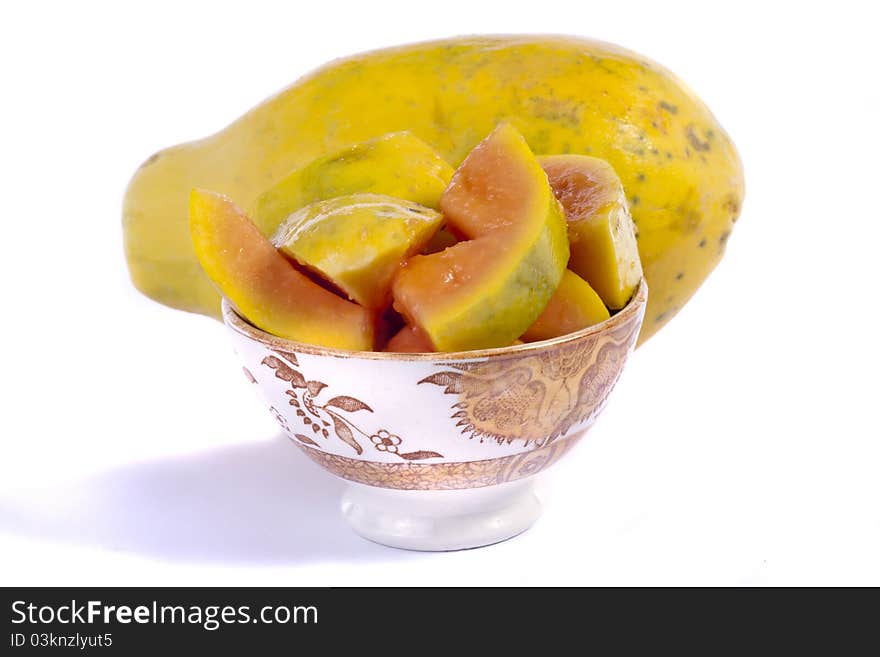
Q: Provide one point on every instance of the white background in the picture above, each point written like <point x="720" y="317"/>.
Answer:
<point x="741" y="446"/>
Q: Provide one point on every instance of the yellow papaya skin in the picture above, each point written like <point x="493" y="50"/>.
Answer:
<point x="680" y="170"/>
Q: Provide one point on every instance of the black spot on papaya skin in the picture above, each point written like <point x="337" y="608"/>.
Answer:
<point x="635" y="200"/>
<point x="668" y="155"/>
<point x="679" y="276"/>
<point x="702" y="243"/>
<point x="723" y="239"/>
<point x="659" y="318"/>
<point x="691" y="221"/>
<point x="600" y="63"/>
<point x="732" y="206"/>
<point x="696" y="142"/>
<point x="640" y="177"/>
<point x="669" y="107"/>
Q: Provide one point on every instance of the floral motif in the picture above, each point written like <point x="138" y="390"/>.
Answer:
<point x="319" y="417"/>
<point x="537" y="398"/>
<point x="385" y="441"/>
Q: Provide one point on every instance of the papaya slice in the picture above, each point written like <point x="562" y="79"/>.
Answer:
<point x="486" y="291"/>
<point x="574" y="306"/>
<point x="604" y="250"/>
<point x="409" y="340"/>
<point x="358" y="242"/>
<point x="264" y="286"/>
<point x="397" y="164"/>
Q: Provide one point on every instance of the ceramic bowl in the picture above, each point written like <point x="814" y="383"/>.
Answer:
<point x="439" y="449"/>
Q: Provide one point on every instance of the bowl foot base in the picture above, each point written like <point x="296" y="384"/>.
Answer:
<point x="440" y="520"/>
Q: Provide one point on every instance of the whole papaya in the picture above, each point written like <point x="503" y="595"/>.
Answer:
<point x="681" y="172"/>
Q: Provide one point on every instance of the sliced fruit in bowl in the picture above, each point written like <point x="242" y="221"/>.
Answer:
<point x="264" y="286"/>
<point x="358" y="242"/>
<point x="574" y="305"/>
<point x="485" y="291"/>
<point x="604" y="251"/>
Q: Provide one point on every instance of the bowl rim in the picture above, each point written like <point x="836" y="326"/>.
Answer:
<point x="237" y="323"/>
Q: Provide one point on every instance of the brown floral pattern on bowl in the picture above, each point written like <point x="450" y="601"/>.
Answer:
<point x="444" y="420"/>
<point x="538" y="397"/>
